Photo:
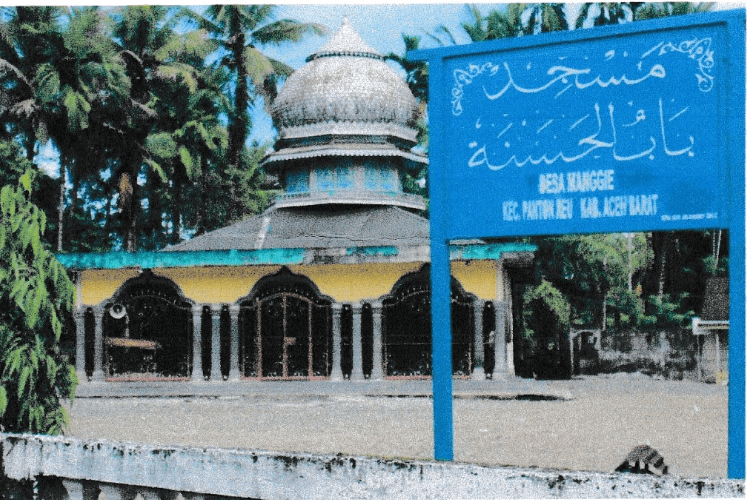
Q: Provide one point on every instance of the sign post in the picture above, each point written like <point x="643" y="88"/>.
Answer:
<point x="635" y="127"/>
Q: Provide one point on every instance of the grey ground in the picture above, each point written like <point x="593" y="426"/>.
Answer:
<point x="589" y="423"/>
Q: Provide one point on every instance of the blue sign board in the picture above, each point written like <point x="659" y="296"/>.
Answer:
<point x="635" y="127"/>
<point x="611" y="133"/>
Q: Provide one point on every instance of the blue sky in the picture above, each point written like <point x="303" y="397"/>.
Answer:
<point x="381" y="25"/>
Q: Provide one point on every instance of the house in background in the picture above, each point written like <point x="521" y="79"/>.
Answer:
<point x="331" y="282"/>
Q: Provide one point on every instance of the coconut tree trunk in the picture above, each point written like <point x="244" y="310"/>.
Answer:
<point x="202" y="209"/>
<point x="176" y="213"/>
<point x="61" y="204"/>
<point x="128" y="199"/>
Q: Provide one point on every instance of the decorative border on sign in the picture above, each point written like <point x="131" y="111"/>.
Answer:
<point x="465" y="77"/>
<point x="698" y="50"/>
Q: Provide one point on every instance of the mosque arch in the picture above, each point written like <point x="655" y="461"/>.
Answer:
<point x="147" y="330"/>
<point x="406" y="320"/>
<point x="285" y="329"/>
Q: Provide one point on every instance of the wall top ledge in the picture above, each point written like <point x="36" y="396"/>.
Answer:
<point x="266" y="474"/>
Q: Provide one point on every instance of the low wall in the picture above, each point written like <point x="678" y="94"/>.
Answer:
<point x="674" y="355"/>
<point x="73" y="469"/>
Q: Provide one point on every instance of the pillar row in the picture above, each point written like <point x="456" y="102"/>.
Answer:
<point x="500" y="338"/>
<point x="357" y="373"/>
<point x="197" y="375"/>
<point x="215" y="374"/>
<point x="377" y="371"/>
<point x="478" y="372"/>
<point x="98" y="344"/>
<point x="336" y="374"/>
<point x="233" y="373"/>
<point x="80" y="344"/>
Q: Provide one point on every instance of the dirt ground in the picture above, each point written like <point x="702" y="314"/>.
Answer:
<point x="585" y="424"/>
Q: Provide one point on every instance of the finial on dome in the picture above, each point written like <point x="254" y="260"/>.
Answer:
<point x="346" y="42"/>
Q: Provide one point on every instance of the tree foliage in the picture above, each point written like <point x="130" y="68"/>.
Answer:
<point x="547" y="316"/>
<point x="145" y="112"/>
<point x="36" y="296"/>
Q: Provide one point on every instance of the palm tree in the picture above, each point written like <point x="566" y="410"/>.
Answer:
<point x="656" y="10"/>
<point x="606" y="13"/>
<point x="241" y="30"/>
<point x="545" y="18"/>
<point x="496" y="24"/>
<point x="193" y="140"/>
<point x="160" y="63"/>
<point x="59" y="64"/>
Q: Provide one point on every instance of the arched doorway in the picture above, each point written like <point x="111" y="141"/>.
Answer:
<point x="285" y="329"/>
<point x="406" y="319"/>
<point x="147" y="330"/>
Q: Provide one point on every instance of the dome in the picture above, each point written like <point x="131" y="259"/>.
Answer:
<point x="346" y="88"/>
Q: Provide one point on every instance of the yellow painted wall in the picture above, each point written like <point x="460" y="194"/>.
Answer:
<point x="213" y="285"/>
<point x="100" y="284"/>
<point x="478" y="277"/>
<point x="344" y="283"/>
<point x="351" y="283"/>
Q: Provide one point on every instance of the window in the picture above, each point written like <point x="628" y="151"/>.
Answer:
<point x="379" y="178"/>
<point x="336" y="177"/>
<point x="297" y="181"/>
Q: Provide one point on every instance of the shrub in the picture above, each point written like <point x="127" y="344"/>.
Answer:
<point x="35" y="297"/>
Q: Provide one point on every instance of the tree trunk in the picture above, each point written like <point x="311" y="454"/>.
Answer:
<point x="30" y="141"/>
<point x="176" y="213"/>
<point x="61" y="204"/>
<point x="155" y="209"/>
<point x="129" y="200"/>
<point x="656" y="282"/>
<point x="238" y="129"/>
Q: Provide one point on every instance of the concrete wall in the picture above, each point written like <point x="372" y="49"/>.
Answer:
<point x="88" y="468"/>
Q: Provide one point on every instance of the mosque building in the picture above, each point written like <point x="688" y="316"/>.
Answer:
<point x="330" y="283"/>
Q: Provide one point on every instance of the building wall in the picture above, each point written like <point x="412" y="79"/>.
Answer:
<point x="342" y="282"/>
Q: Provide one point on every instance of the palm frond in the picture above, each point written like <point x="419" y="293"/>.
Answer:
<point x="285" y="30"/>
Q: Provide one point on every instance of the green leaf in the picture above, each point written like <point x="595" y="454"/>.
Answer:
<point x="5" y="196"/>
<point x="257" y="66"/>
<point x="51" y="369"/>
<point x="186" y="158"/>
<point x="25" y="374"/>
<point x="77" y="110"/>
<point x="161" y="145"/>
<point x="157" y="169"/>
<point x="25" y="181"/>
<point x="3" y="400"/>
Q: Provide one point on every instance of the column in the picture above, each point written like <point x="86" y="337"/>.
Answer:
<point x="80" y="344"/>
<point x="98" y="344"/>
<point x="478" y="372"/>
<point x="357" y="373"/>
<point x="197" y="375"/>
<point x="74" y="489"/>
<point x="215" y="374"/>
<point x="500" y="338"/>
<point x="377" y="372"/>
<point x="336" y="374"/>
<point x="233" y="373"/>
<point x="113" y="491"/>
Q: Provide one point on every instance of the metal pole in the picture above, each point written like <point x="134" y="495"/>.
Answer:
<point x="443" y="418"/>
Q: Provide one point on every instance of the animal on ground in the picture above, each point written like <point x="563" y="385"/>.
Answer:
<point x="643" y="459"/>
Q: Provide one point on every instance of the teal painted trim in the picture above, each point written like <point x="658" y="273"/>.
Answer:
<point x="487" y="252"/>
<point x="149" y="260"/>
<point x="276" y="256"/>
<point x="371" y="251"/>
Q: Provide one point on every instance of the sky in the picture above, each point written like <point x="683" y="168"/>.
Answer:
<point x="381" y="25"/>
